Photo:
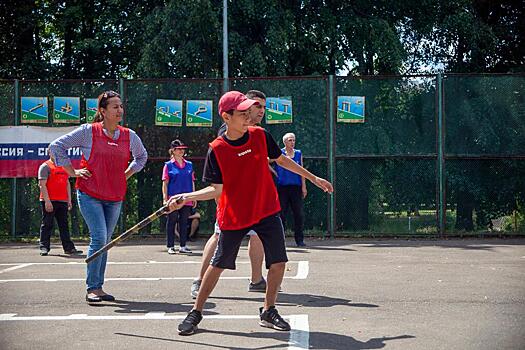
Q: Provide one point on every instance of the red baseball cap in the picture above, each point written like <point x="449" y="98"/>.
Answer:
<point x="235" y="100"/>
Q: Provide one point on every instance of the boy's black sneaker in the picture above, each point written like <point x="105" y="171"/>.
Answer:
<point x="270" y="318"/>
<point x="189" y="325"/>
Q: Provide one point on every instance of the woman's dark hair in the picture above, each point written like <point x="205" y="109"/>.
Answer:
<point x="103" y="99"/>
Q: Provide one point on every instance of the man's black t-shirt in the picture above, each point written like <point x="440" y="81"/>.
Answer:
<point x="212" y="172"/>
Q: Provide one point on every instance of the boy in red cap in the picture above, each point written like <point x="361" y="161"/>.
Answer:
<point x="234" y="162"/>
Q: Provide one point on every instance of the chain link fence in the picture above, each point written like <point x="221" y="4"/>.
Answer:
<point x="470" y="133"/>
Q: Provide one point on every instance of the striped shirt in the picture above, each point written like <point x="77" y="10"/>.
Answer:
<point x="82" y="137"/>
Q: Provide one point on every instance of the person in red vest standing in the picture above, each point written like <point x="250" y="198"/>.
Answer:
<point x="101" y="185"/>
<point x="55" y="198"/>
<point x="234" y="163"/>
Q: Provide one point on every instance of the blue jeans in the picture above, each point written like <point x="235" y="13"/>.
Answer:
<point x="101" y="218"/>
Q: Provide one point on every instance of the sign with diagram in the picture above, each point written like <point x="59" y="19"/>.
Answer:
<point x="278" y="110"/>
<point x="91" y="109"/>
<point x="34" y="110"/>
<point x="66" y="109"/>
<point x="350" y="109"/>
<point x="168" y="113"/>
<point x="199" y="113"/>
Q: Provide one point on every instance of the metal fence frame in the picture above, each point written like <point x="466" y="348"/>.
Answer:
<point x="440" y="156"/>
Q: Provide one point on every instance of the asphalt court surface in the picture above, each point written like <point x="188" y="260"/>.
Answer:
<point x="341" y="294"/>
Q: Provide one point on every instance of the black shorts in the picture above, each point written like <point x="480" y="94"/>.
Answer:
<point x="270" y="231"/>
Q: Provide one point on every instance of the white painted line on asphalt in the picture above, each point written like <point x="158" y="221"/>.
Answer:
<point x="302" y="273"/>
<point x="150" y="262"/>
<point x="302" y="270"/>
<point x="16" y="267"/>
<point x="123" y="279"/>
<point x="299" y="334"/>
<point x="147" y="316"/>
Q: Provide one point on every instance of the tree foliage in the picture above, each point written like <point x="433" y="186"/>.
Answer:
<point x="175" y="38"/>
<point x="76" y="39"/>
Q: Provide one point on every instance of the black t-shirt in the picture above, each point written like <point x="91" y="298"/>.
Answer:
<point x="212" y="171"/>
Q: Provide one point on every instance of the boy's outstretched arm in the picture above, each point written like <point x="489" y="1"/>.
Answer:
<point x="211" y="192"/>
<point x="289" y="164"/>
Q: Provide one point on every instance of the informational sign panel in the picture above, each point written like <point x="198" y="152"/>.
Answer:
<point x="91" y="109"/>
<point x="351" y="109"/>
<point x="34" y="110"/>
<point x="278" y="110"/>
<point x="199" y="113"/>
<point x="168" y="113"/>
<point x="66" y="109"/>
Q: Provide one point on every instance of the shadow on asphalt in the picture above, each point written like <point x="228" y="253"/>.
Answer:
<point x="317" y="340"/>
<point x="307" y="300"/>
<point x="314" y="247"/>
<point x="485" y="244"/>
<point x="141" y="307"/>
<point x="67" y="256"/>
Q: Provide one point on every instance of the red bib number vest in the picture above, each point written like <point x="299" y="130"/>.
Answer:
<point x="57" y="183"/>
<point x="107" y="163"/>
<point x="248" y="193"/>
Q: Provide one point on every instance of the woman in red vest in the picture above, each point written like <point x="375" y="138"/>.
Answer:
<point x="101" y="180"/>
<point x="55" y="197"/>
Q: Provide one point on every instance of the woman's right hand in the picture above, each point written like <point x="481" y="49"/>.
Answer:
<point x="49" y="206"/>
<point x="82" y="173"/>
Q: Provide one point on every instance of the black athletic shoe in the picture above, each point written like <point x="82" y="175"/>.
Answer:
<point x="73" y="251"/>
<point x="189" y="325"/>
<point x="271" y="319"/>
<point x="257" y="287"/>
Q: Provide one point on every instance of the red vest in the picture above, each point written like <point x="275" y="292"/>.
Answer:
<point x="57" y="183"/>
<point x="248" y="192"/>
<point x="107" y="163"/>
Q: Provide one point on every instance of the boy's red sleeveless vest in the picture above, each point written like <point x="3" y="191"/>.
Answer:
<point x="248" y="192"/>
<point x="57" y="183"/>
<point x="107" y="163"/>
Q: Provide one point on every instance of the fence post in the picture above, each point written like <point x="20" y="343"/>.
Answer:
<point x="331" y="154"/>
<point x="225" y="72"/>
<point x="441" y="158"/>
<point x="14" y="184"/>
<point x="122" y="93"/>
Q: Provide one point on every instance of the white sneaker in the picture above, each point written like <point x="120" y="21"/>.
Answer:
<point x="184" y="250"/>
<point x="171" y="250"/>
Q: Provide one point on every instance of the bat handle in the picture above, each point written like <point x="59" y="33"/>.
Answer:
<point x="166" y="209"/>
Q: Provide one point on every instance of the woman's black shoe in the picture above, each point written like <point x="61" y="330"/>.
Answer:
<point x="107" y="297"/>
<point x="95" y="299"/>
